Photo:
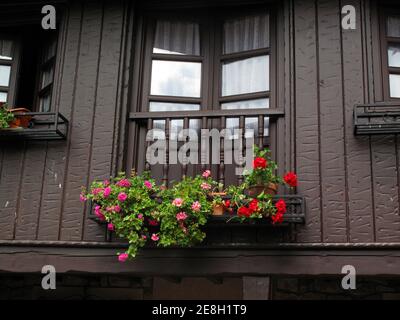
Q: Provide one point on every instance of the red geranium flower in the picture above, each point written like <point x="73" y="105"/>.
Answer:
<point x="280" y="205"/>
<point x="259" y="163"/>
<point x="153" y="222"/>
<point x="227" y="203"/>
<point x="277" y="218"/>
<point x="244" y="212"/>
<point x="253" y="206"/>
<point x="291" y="179"/>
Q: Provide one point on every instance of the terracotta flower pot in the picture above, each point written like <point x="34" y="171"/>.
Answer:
<point x="20" y="121"/>
<point x="271" y="189"/>
<point x="218" y="209"/>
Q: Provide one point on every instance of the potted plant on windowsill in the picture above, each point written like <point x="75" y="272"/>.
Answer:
<point x="262" y="178"/>
<point x="21" y="120"/>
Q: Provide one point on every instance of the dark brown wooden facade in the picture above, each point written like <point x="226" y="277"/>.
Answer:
<point x="350" y="183"/>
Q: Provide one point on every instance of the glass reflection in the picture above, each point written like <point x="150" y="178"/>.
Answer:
<point x="3" y="96"/>
<point x="394" y="85"/>
<point x="177" y="38"/>
<point x="246" y="33"/>
<point x="6" y="49"/>
<point x="394" y="56"/>
<point x="245" y="76"/>
<point x="174" y="78"/>
<point x="5" y="72"/>
<point x="393" y="26"/>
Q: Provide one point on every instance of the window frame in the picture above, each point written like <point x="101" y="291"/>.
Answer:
<point x="11" y="89"/>
<point x="44" y="65"/>
<point x="211" y="57"/>
<point x="385" y="42"/>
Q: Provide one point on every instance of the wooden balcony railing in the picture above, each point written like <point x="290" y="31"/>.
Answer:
<point x="207" y="119"/>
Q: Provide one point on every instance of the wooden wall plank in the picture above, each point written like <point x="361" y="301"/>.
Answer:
<point x="13" y="158"/>
<point x="359" y="191"/>
<point x="307" y="123"/>
<point x="334" y="210"/>
<point x="31" y="190"/>
<point x="56" y="160"/>
<point x="106" y="104"/>
<point x="83" y="113"/>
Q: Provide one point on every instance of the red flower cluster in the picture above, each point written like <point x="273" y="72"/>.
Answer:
<point x="280" y="206"/>
<point x="291" y="179"/>
<point x="259" y="163"/>
<point x="248" y="211"/>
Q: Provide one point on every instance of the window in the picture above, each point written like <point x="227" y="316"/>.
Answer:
<point x="185" y="54"/>
<point x="204" y="62"/>
<point x="27" y="62"/>
<point x="8" y="66"/>
<point x="391" y="59"/>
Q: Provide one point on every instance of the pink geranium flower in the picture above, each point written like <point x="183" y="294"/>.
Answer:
<point x="196" y="206"/>
<point x="144" y="237"/>
<point x="155" y="237"/>
<point x="177" y="202"/>
<point x="123" y="183"/>
<point x="140" y="216"/>
<point x="106" y="183"/>
<point x="110" y="227"/>
<point x="148" y="184"/>
<point x="205" y="186"/>
<point x="206" y="174"/>
<point x="122" y="196"/>
<point x="82" y="197"/>
<point x="96" y="191"/>
<point x="107" y="192"/>
<point x="98" y="213"/>
<point x="181" y="216"/>
<point x="117" y="208"/>
<point x="122" y="257"/>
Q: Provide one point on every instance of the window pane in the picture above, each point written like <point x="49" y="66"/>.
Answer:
<point x="167" y="106"/>
<point x="47" y="77"/>
<point x="3" y="96"/>
<point x="394" y="55"/>
<point x="394" y="85"/>
<point x="246" y="33"/>
<point x="45" y="103"/>
<point x="393" y="26"/>
<point x="5" y="75"/>
<point x="245" y="76"/>
<point x="251" y="124"/>
<point x="49" y="51"/>
<point x="173" y="78"/>
<point x="247" y="104"/>
<point x="6" y="49"/>
<point x="177" y="38"/>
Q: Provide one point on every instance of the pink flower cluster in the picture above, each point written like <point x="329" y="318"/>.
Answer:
<point x="196" y="206"/>
<point x="122" y="196"/>
<point x="177" y="202"/>
<point x="206" y="174"/>
<point x="98" y="213"/>
<point x="181" y="216"/>
<point x="148" y="184"/>
<point x="205" y="186"/>
<point x="123" y="183"/>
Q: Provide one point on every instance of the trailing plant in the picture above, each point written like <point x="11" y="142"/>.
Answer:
<point x="128" y="206"/>
<point x="136" y="209"/>
<point x="184" y="210"/>
<point x="6" y="116"/>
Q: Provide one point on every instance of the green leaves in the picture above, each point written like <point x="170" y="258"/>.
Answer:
<point x="5" y="116"/>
